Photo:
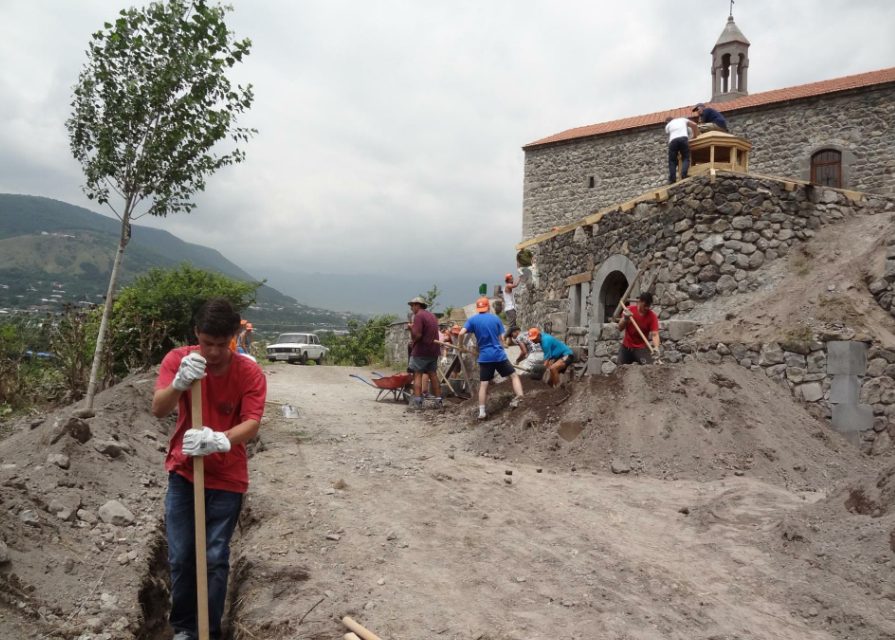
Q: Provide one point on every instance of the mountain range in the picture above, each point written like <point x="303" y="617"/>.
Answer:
<point x="52" y="252"/>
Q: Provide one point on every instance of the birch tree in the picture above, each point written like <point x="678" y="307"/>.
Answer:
<point x="151" y="109"/>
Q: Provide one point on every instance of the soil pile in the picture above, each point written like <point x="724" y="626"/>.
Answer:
<point x="820" y="287"/>
<point x="80" y="537"/>
<point x="690" y="421"/>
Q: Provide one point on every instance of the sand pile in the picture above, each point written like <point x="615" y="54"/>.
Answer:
<point x="80" y="524"/>
<point x="690" y="421"/>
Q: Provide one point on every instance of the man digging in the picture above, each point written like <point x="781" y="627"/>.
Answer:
<point x="488" y="331"/>
<point x="233" y="394"/>
<point x="634" y="348"/>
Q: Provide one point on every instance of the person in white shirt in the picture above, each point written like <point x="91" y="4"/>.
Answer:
<point x="679" y="130"/>
<point x="509" y="298"/>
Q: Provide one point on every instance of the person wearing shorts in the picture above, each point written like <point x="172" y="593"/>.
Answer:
<point x="488" y="331"/>
<point x="424" y="352"/>
<point x="557" y="354"/>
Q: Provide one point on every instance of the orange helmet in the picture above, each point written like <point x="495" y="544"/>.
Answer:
<point x="534" y="333"/>
<point x="508" y="277"/>
<point x="482" y="305"/>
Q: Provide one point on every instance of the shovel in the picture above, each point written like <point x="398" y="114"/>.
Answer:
<point x="463" y="350"/>
<point x="199" y="517"/>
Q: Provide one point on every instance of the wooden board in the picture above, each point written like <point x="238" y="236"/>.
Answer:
<point x="578" y="278"/>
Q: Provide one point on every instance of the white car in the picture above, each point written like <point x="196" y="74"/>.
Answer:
<point x="297" y="347"/>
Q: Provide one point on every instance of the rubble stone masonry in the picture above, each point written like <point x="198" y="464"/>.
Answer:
<point x="567" y="181"/>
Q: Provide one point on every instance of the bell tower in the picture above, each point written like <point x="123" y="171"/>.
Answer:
<point x="730" y="63"/>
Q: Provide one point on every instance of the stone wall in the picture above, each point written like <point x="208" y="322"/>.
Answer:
<point x="397" y="337"/>
<point x="709" y="238"/>
<point x="557" y="187"/>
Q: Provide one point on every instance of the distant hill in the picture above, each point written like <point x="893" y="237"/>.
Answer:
<point x="53" y="252"/>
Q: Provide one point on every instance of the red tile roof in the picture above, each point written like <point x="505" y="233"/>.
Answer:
<point x="845" y="83"/>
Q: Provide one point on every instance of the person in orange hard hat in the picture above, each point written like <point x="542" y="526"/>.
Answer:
<point x="509" y="298"/>
<point x="488" y="331"/>
<point x="557" y="354"/>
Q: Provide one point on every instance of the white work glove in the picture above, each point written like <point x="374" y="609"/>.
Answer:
<point x="201" y="442"/>
<point x="192" y="368"/>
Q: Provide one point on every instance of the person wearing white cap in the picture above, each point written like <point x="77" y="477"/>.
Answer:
<point x="424" y="352"/>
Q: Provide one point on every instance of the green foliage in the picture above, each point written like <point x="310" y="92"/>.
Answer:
<point x="24" y="379"/>
<point x="152" y="101"/>
<point x="431" y="297"/>
<point x="72" y="341"/>
<point x="362" y="346"/>
<point x="155" y="312"/>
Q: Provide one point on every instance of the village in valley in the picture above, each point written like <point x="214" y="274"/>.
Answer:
<point x="672" y="418"/>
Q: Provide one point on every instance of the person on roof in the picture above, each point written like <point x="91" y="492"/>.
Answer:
<point x="557" y="354"/>
<point x="633" y="348"/>
<point x="509" y="298"/>
<point x="710" y="119"/>
<point x="488" y="330"/>
<point x="679" y="130"/>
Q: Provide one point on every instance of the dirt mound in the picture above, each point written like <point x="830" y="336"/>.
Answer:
<point x="819" y="287"/>
<point x="74" y="563"/>
<point x="849" y="538"/>
<point x="690" y="421"/>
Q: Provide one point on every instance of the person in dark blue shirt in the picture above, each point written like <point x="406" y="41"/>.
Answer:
<point x="710" y="119"/>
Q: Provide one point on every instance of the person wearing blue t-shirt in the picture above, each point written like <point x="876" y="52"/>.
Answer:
<point x="488" y="331"/>
<point x="710" y="119"/>
<point x="557" y="354"/>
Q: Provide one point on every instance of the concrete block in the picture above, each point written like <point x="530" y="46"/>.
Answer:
<point x="594" y="366"/>
<point x="845" y="389"/>
<point x="846" y="356"/>
<point x="851" y="418"/>
<point x="680" y="329"/>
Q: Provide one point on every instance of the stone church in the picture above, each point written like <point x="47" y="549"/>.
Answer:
<point x="600" y="221"/>
<point x="838" y="132"/>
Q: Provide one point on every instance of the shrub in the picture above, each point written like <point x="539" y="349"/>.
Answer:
<point x="362" y="346"/>
<point x="155" y="312"/>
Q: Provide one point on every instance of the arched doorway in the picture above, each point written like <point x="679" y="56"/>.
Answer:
<point x="614" y="287"/>
<point x="610" y="281"/>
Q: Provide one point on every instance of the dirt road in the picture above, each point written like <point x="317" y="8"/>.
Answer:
<point x="361" y="508"/>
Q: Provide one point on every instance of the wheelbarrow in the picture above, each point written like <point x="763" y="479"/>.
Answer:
<point x="396" y="385"/>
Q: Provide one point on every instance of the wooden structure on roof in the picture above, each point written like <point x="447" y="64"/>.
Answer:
<point x="718" y="151"/>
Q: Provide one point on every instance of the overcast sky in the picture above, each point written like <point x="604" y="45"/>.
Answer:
<point x="391" y="131"/>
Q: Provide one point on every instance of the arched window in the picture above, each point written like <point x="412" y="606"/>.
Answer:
<point x="826" y="168"/>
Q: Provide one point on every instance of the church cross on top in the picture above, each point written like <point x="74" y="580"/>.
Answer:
<point x="731" y="8"/>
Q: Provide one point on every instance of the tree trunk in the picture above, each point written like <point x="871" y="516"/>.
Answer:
<point x="107" y="308"/>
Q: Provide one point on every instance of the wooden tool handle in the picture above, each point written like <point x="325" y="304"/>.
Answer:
<point x="199" y="516"/>
<point x="473" y="353"/>
<point x="362" y="632"/>
<point x="652" y="349"/>
<point x="350" y="636"/>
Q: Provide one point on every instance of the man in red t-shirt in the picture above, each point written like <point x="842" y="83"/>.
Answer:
<point x="233" y="394"/>
<point x="424" y="352"/>
<point x="633" y="348"/>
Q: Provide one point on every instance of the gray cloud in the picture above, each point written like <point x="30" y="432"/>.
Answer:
<point x="390" y="131"/>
